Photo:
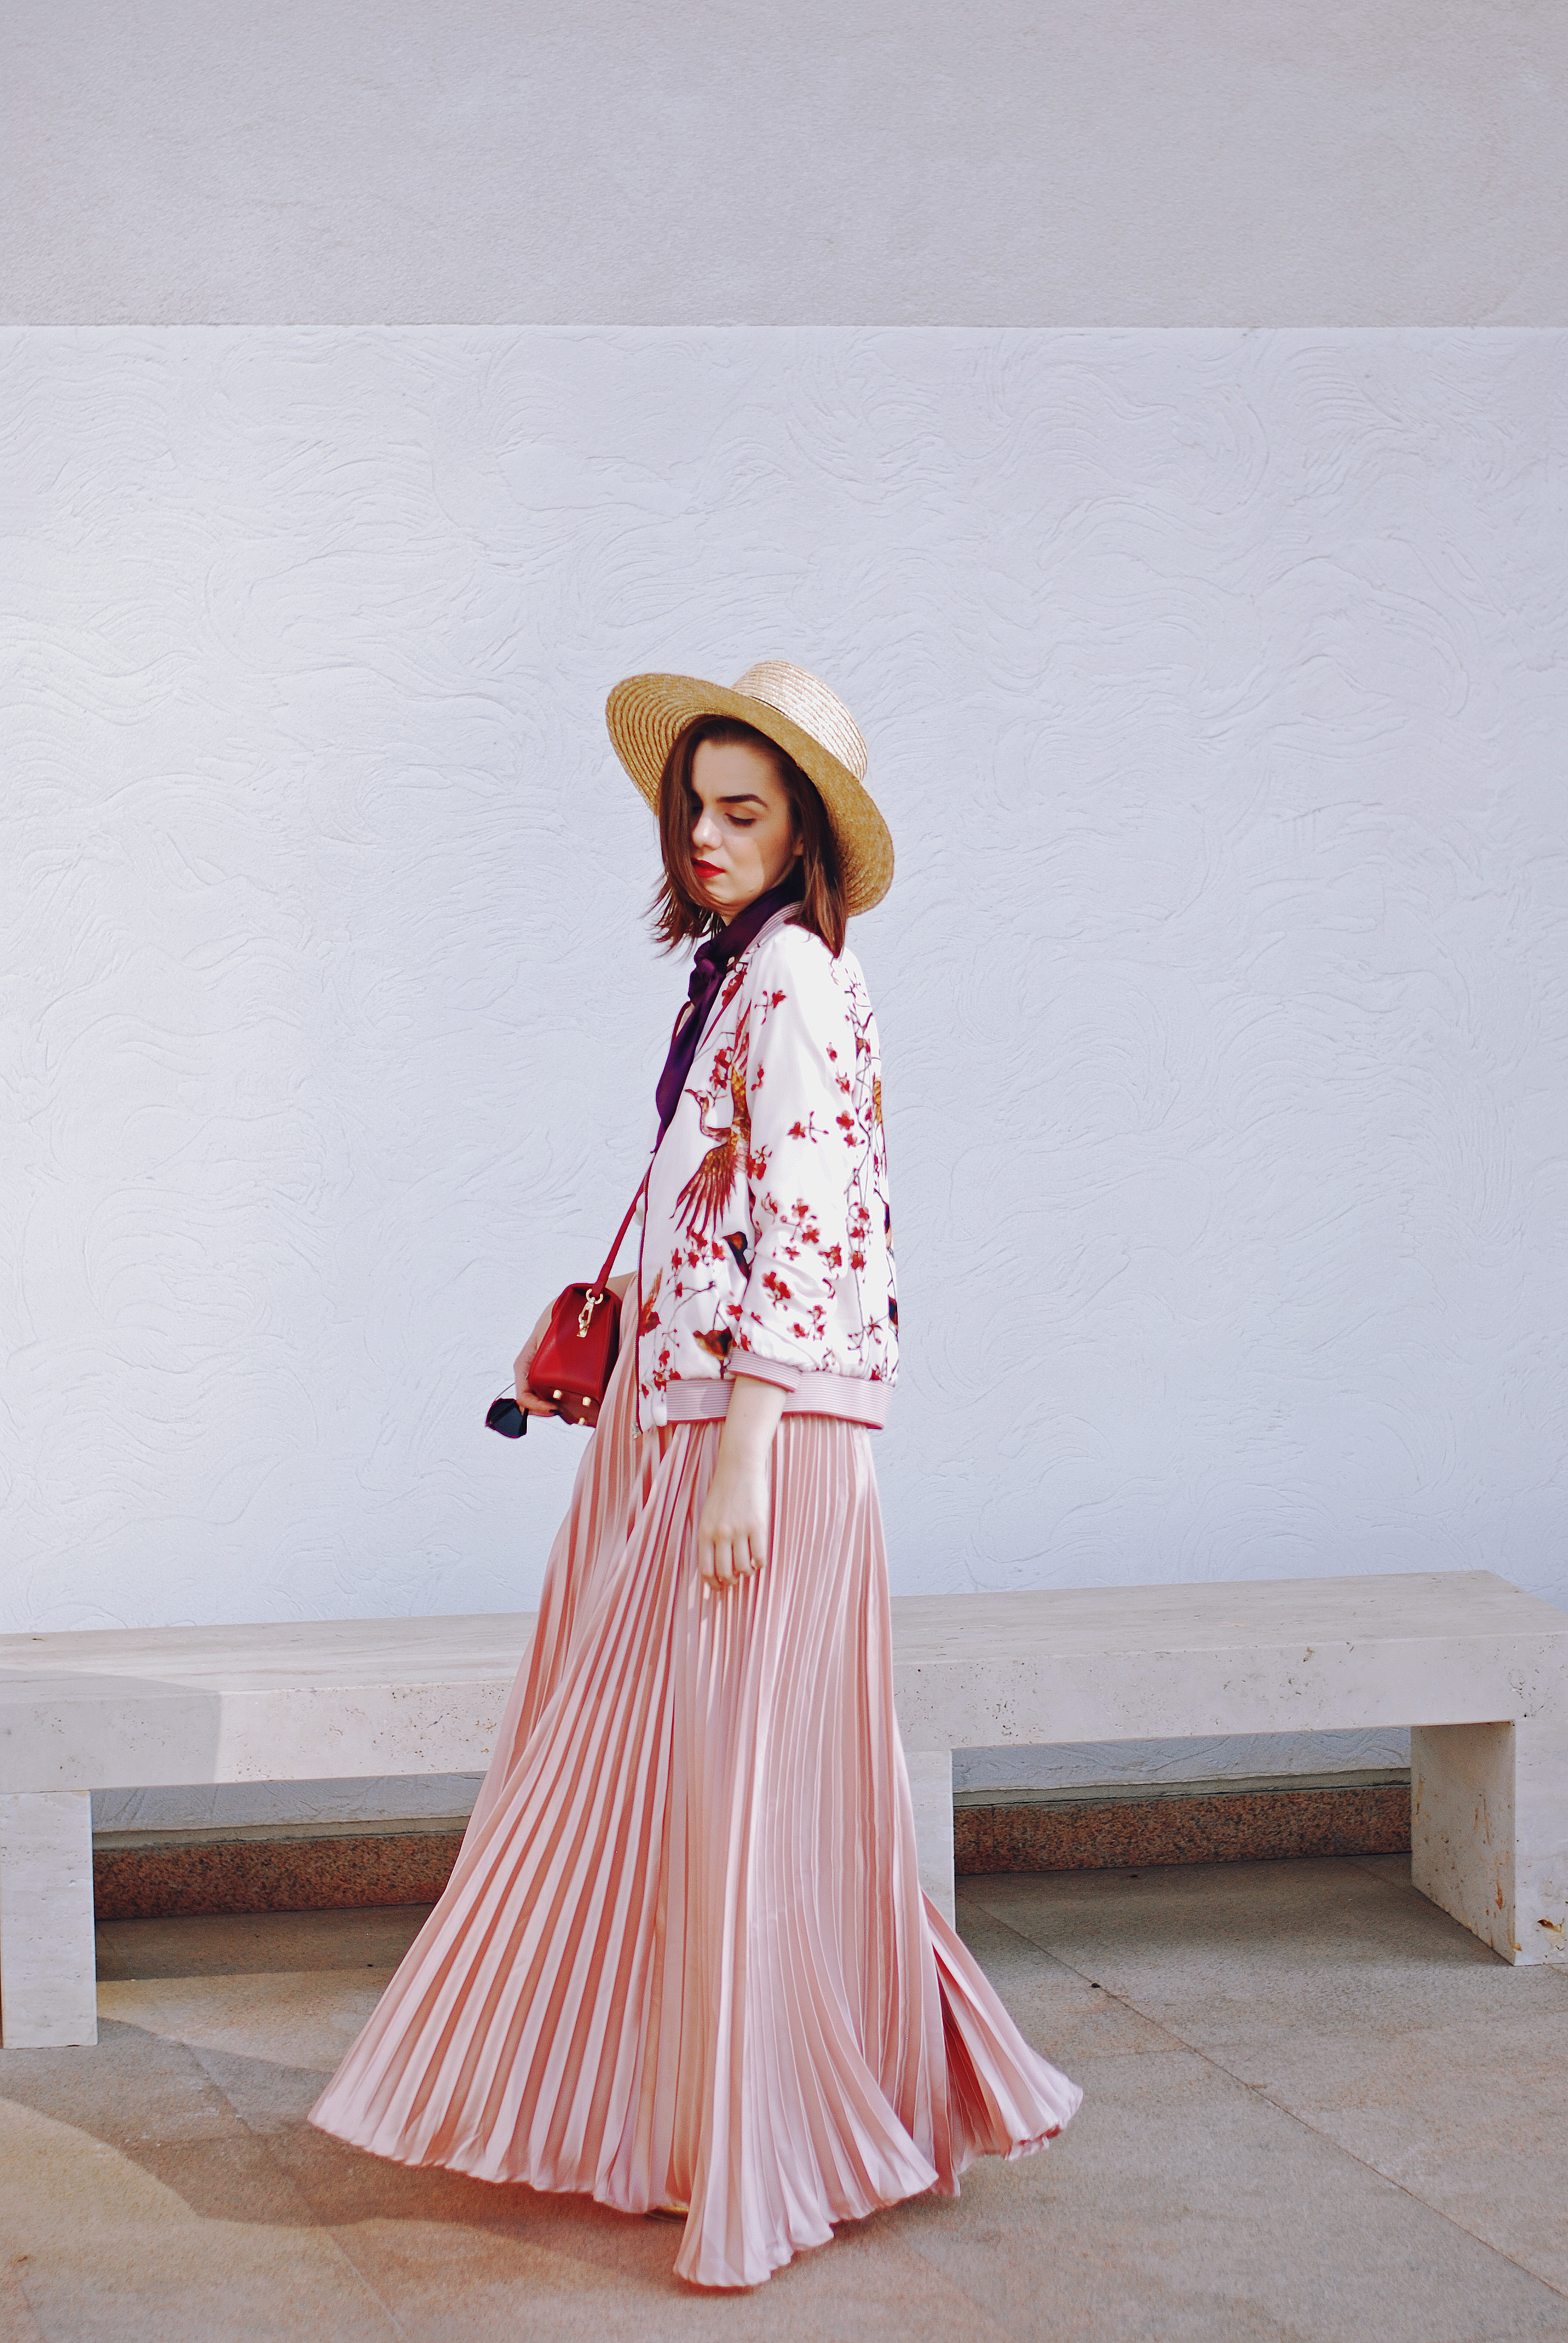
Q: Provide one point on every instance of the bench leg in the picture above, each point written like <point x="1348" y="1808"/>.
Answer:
<point x="931" y="1789"/>
<point x="48" y="1973"/>
<point x="1489" y="1832"/>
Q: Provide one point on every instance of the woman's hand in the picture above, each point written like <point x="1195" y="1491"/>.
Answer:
<point x="733" y="1528"/>
<point x="530" y="1402"/>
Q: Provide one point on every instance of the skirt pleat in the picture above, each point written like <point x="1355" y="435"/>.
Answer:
<point x="683" y="1960"/>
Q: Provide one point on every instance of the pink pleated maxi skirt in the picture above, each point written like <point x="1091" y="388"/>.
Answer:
<point x="683" y="1960"/>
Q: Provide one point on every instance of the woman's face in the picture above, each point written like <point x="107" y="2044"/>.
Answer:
<point x="742" y="831"/>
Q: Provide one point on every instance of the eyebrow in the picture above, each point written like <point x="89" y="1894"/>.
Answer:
<point x="745" y="797"/>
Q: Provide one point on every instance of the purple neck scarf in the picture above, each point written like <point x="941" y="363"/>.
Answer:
<point x="708" y="970"/>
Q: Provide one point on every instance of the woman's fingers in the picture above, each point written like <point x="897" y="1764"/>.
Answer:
<point x="526" y="1399"/>
<point x="718" y="1559"/>
<point x="728" y="1555"/>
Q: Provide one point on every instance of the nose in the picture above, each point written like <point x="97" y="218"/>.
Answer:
<point x="704" y="829"/>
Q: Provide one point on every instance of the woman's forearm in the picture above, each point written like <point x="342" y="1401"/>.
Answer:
<point x="754" y="1408"/>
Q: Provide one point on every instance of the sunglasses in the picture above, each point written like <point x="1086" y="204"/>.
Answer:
<point x="506" y="1417"/>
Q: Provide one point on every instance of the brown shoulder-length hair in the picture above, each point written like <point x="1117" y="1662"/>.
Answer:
<point x="680" y="913"/>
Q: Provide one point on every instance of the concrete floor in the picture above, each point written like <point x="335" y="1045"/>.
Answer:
<point x="1316" y="2110"/>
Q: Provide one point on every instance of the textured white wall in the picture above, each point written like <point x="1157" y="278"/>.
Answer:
<point x="1026" y="162"/>
<point x="1215" y="695"/>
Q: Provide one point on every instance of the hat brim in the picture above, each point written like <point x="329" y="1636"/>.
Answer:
<point x="647" y="714"/>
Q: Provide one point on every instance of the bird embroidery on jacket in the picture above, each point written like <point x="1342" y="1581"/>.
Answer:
<point x="702" y="1201"/>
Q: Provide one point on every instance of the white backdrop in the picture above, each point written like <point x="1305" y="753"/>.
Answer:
<point x="1214" y="690"/>
<point x="906" y="161"/>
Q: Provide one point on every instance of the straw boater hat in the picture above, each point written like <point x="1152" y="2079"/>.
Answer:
<point x="646" y="712"/>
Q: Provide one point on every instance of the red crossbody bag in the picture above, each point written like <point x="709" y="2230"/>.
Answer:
<point x="575" y="1358"/>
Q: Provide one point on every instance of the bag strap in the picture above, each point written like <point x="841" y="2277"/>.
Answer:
<point x="602" y="1280"/>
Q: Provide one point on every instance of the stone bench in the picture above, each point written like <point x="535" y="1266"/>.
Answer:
<point x="1476" y="1669"/>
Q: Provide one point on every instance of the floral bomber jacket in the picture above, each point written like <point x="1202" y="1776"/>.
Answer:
<point x="766" y="1238"/>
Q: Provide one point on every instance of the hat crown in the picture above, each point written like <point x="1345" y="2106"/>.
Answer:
<point x="808" y="703"/>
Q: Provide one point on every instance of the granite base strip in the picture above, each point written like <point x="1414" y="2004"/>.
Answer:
<point x="1221" y="1827"/>
<point x="348" y="1869"/>
<point x="284" y="1874"/>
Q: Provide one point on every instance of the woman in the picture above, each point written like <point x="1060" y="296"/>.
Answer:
<point x="683" y="1962"/>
